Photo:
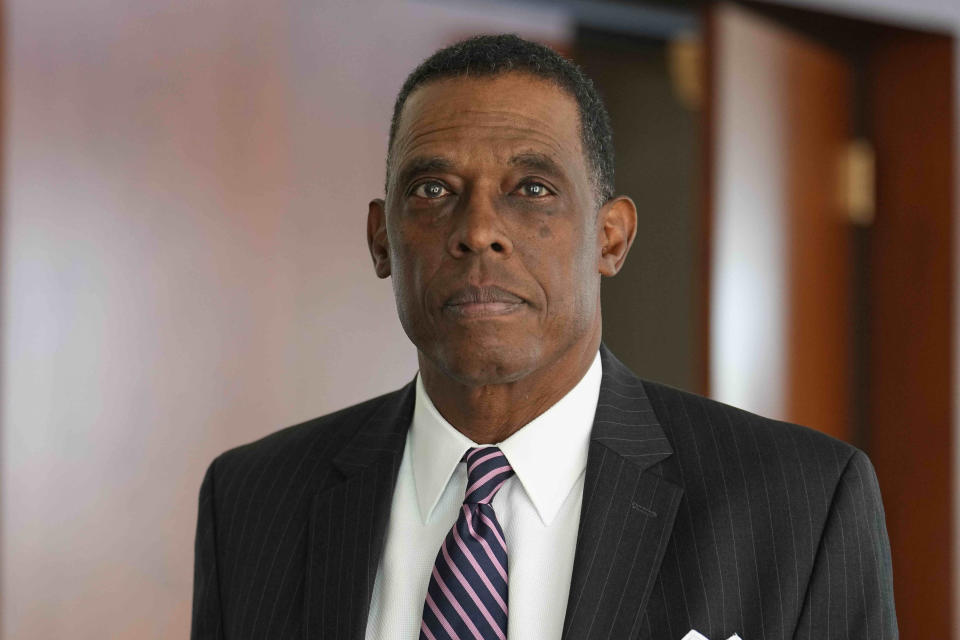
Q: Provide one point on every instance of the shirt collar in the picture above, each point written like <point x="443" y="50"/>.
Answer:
<point x="562" y="431"/>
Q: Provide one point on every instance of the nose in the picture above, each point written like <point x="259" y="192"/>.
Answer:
<point x="478" y="228"/>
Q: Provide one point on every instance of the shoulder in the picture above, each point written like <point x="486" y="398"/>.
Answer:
<point x="727" y="440"/>
<point x="773" y="484"/>
<point x="317" y="440"/>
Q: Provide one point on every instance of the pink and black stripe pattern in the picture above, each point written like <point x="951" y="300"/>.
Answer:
<point x="467" y="596"/>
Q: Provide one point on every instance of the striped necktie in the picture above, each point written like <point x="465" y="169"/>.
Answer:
<point x="467" y="596"/>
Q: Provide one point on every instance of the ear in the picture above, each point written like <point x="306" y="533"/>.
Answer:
<point x="377" y="238"/>
<point x="618" y="220"/>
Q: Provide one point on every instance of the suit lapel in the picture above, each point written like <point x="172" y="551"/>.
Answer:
<point x="348" y="524"/>
<point x="627" y="514"/>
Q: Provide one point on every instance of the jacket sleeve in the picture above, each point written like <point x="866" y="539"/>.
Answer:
<point x="850" y="592"/>
<point x="207" y="618"/>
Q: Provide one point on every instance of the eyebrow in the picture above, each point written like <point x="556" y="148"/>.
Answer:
<point x="537" y="162"/>
<point x="420" y="165"/>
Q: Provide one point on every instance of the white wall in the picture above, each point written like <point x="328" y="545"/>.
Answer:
<point x="184" y="269"/>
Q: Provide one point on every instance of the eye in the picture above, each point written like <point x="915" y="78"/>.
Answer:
<point x="534" y="190"/>
<point x="431" y="190"/>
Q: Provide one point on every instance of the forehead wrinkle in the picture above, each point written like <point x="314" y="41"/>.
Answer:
<point x="452" y="113"/>
<point x="446" y="118"/>
<point x="510" y="131"/>
<point x="520" y="142"/>
<point x="497" y="115"/>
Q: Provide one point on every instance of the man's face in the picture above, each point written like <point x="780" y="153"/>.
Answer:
<point x="491" y="233"/>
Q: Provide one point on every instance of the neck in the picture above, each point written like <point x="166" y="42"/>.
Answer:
<point x="491" y="413"/>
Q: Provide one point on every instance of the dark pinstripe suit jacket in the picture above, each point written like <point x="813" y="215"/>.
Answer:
<point x="695" y="515"/>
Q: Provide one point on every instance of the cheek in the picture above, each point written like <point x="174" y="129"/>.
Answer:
<point x="404" y="269"/>
<point x="565" y="265"/>
<point x="581" y="284"/>
<point x="415" y="258"/>
<point x="406" y="278"/>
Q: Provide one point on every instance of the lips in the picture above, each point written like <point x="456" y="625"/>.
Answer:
<point x="473" y="302"/>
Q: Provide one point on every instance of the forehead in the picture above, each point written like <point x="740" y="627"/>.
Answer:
<point x="494" y="116"/>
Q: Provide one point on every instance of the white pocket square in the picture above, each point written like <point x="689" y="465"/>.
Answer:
<point x="696" y="635"/>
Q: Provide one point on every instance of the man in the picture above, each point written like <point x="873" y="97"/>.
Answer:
<point x="609" y="507"/>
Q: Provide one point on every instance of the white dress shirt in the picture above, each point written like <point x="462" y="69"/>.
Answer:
<point x="538" y="508"/>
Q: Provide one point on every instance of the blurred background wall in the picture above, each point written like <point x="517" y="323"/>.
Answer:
<point x="184" y="270"/>
<point x="184" y="266"/>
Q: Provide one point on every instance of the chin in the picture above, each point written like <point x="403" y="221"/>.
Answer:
<point x="479" y="365"/>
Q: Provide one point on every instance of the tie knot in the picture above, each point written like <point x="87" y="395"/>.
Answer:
<point x="487" y="470"/>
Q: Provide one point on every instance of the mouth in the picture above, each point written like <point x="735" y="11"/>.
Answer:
<point x="482" y="302"/>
